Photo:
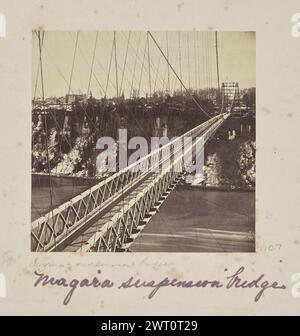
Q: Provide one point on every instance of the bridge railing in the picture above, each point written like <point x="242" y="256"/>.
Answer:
<point x="60" y="222"/>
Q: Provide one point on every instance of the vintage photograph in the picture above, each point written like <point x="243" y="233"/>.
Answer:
<point x="143" y="141"/>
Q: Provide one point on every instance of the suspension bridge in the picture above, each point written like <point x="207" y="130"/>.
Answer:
<point x="108" y="216"/>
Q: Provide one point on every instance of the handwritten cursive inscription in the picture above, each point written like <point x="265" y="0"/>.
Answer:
<point x="44" y="280"/>
<point x="233" y="281"/>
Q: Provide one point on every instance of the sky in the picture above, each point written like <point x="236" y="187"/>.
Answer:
<point x="135" y="63"/>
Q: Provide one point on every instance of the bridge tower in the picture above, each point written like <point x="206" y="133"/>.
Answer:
<point x="230" y="98"/>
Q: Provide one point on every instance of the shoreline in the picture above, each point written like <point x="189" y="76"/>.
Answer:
<point x="211" y="188"/>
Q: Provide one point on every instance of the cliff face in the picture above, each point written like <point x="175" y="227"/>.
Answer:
<point x="72" y="135"/>
<point x="246" y="157"/>
<point x="230" y="164"/>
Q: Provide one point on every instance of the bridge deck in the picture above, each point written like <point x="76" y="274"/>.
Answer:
<point x="80" y="239"/>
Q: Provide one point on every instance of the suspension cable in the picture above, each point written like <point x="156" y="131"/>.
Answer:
<point x="200" y="107"/>
<point x="125" y="62"/>
<point x="109" y="69"/>
<point x="38" y="72"/>
<point x="217" y="64"/>
<point x="153" y="66"/>
<point x="168" y="58"/>
<point x="126" y="78"/>
<point x="209" y="62"/>
<point x="92" y="65"/>
<point x="188" y="58"/>
<point x="101" y="89"/>
<point x="145" y="49"/>
<point x="198" y="60"/>
<point x="149" y="68"/>
<point x="73" y="63"/>
<point x="180" y="65"/>
<point x="116" y="63"/>
<point x="195" y="61"/>
<point x="45" y="116"/>
<point x="157" y="71"/>
<point x="135" y="62"/>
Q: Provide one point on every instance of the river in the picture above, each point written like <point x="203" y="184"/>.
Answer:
<point x="194" y="220"/>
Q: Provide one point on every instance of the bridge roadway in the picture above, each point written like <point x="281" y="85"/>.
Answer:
<point x="113" y="224"/>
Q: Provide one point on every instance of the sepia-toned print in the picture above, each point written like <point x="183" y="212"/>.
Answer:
<point x="143" y="141"/>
